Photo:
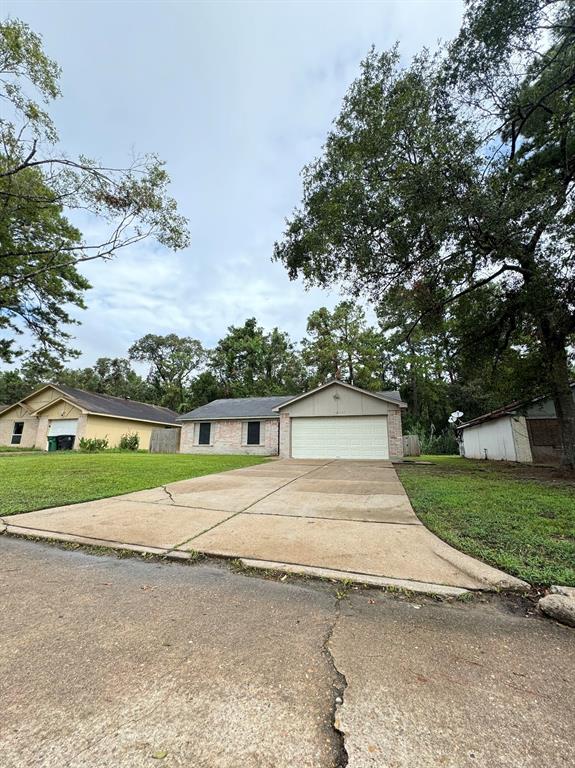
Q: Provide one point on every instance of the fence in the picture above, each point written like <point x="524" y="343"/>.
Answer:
<point x="411" y="446"/>
<point x="165" y="441"/>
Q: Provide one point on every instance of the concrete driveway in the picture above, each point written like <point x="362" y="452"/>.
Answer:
<point x="348" y="519"/>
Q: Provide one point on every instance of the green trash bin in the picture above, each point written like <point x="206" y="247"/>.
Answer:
<point x="53" y="443"/>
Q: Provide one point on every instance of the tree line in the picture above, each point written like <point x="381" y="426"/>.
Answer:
<point x="444" y="196"/>
<point x="250" y="361"/>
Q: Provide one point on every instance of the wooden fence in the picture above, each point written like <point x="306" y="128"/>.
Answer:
<point x="411" y="446"/>
<point x="165" y="440"/>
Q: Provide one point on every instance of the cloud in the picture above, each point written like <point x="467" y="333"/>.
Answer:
<point x="236" y="97"/>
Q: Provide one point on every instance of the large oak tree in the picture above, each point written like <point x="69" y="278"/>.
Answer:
<point x="454" y="174"/>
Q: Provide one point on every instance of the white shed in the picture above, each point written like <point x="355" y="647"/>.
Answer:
<point x="503" y="438"/>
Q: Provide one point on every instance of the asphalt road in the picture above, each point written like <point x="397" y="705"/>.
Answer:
<point x="125" y="663"/>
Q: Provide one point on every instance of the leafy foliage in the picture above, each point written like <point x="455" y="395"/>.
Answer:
<point x="129" y="442"/>
<point x="93" y="444"/>
<point x="448" y="185"/>
<point x="173" y="361"/>
<point x="41" y="188"/>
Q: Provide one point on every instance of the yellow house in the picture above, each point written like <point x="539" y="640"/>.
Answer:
<point x="56" y="410"/>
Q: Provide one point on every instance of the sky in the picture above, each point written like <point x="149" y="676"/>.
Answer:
<point x="236" y="97"/>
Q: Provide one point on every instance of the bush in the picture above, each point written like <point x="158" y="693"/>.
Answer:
<point x="436" y="443"/>
<point x="93" y="444"/>
<point x="130" y="441"/>
<point x="442" y="444"/>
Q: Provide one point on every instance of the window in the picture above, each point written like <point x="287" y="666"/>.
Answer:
<point x="253" y="433"/>
<point x="204" y="433"/>
<point x="17" y="432"/>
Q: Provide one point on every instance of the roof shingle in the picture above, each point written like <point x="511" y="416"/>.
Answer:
<point x="237" y="408"/>
<point x="118" y="406"/>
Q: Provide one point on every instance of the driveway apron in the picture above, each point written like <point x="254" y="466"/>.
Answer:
<point x="350" y="519"/>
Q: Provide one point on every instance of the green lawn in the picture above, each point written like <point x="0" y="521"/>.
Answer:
<point x="30" y="482"/>
<point x="515" y="517"/>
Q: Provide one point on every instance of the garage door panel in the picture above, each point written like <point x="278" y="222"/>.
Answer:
<point x="343" y="437"/>
<point x="62" y="427"/>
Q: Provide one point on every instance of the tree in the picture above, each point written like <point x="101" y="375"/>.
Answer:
<point x="108" y="376"/>
<point x="173" y="361"/>
<point x="451" y="175"/>
<point x="340" y="345"/>
<point x="40" y="187"/>
<point x="250" y="362"/>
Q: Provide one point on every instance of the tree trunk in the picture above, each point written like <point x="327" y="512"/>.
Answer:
<point x="563" y="400"/>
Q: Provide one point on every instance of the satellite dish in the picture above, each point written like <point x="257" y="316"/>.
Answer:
<point x="455" y="416"/>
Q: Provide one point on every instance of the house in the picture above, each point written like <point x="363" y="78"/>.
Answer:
<point x="335" y="420"/>
<point x="523" y="431"/>
<point x="57" y="410"/>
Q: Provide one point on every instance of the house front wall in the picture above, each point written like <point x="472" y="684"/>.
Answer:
<point x="229" y="436"/>
<point x="18" y="413"/>
<point x="113" y="429"/>
<point x="335" y="401"/>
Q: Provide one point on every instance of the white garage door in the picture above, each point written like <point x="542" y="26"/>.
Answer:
<point x="62" y="427"/>
<point x="340" y="437"/>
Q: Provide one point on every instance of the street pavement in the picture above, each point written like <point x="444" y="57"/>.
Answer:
<point x="127" y="663"/>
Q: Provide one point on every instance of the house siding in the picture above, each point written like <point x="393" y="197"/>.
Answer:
<point x="113" y="429"/>
<point x="342" y="401"/>
<point x="228" y="437"/>
<point x="490" y="440"/>
<point x="7" y="420"/>
<point x="521" y="440"/>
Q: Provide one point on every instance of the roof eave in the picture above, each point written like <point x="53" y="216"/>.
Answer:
<point x="376" y="395"/>
<point x="228" y="418"/>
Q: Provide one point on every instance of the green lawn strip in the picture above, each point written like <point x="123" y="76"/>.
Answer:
<point x="30" y="482"/>
<point x="16" y="449"/>
<point x="526" y="527"/>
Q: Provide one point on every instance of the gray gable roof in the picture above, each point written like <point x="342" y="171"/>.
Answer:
<point x="108" y="405"/>
<point x="237" y="408"/>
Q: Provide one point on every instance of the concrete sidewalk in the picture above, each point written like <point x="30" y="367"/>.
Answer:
<point x="350" y="519"/>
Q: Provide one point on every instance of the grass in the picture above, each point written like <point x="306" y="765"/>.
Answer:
<point x="515" y="517"/>
<point x="29" y="482"/>
<point x="15" y="449"/>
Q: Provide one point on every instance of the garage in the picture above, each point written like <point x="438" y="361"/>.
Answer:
<point x="340" y="437"/>
<point x="62" y="434"/>
<point x="59" y="427"/>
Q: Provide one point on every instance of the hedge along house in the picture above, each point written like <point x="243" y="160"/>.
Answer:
<point x="57" y="410"/>
<point x="336" y="420"/>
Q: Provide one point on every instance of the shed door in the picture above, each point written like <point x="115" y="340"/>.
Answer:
<point x="62" y="427"/>
<point x="340" y="437"/>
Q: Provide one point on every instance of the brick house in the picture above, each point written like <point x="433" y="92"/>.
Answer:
<point x="335" y="420"/>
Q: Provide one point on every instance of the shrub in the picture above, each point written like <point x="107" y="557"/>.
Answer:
<point x="130" y="441"/>
<point x="435" y="443"/>
<point x="93" y="444"/>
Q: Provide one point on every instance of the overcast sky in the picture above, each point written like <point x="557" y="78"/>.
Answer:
<point x="236" y="97"/>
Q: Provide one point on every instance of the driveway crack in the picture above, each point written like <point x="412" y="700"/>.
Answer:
<point x="165" y="490"/>
<point x="339" y="685"/>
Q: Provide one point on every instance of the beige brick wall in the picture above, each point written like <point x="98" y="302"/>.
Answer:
<point x="229" y="436"/>
<point x="395" y="433"/>
<point x="285" y="435"/>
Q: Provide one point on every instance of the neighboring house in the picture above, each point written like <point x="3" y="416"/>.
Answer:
<point x="524" y="431"/>
<point x="57" y="410"/>
<point x="336" y="420"/>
